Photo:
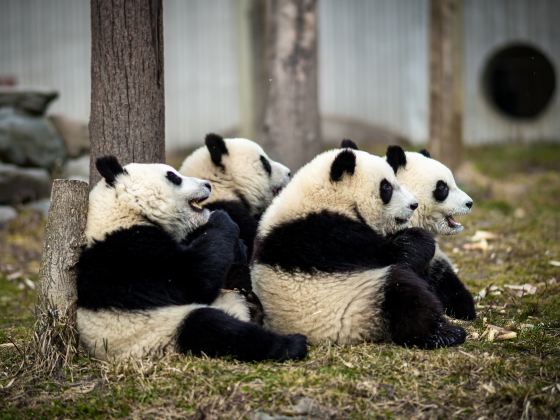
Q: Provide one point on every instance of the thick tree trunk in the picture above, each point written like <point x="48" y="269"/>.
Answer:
<point x="127" y="102"/>
<point x="446" y="131"/>
<point x="64" y="237"/>
<point x="291" y="122"/>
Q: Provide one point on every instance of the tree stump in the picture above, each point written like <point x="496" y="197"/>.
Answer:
<point x="55" y="330"/>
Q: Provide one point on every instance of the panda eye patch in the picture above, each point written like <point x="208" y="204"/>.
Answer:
<point x="442" y="191"/>
<point x="266" y="165"/>
<point x="385" y="191"/>
<point x="174" y="178"/>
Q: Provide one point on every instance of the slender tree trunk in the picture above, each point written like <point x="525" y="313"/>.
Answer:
<point x="291" y="121"/>
<point x="127" y="102"/>
<point x="55" y="329"/>
<point x="446" y="131"/>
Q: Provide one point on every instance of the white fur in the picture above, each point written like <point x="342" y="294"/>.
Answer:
<point x="141" y="195"/>
<point x="118" y="334"/>
<point x="420" y="175"/>
<point x="311" y="191"/>
<point x="341" y="308"/>
<point x="243" y="173"/>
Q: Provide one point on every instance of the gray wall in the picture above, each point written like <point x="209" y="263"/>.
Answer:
<point x="373" y="62"/>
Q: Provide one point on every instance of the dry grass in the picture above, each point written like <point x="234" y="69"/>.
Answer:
<point x="519" y="377"/>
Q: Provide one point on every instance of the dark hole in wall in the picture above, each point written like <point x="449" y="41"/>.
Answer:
<point x="519" y="80"/>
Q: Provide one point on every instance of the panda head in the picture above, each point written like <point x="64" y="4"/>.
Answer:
<point x="439" y="197"/>
<point x="238" y="169"/>
<point x="350" y="182"/>
<point x="144" y="194"/>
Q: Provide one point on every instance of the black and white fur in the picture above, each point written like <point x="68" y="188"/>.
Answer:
<point x="150" y="277"/>
<point x="334" y="261"/>
<point x="440" y="199"/>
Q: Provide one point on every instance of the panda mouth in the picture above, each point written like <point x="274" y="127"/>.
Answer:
<point x="400" y="220"/>
<point x="276" y="190"/>
<point x="451" y="222"/>
<point x="196" y="203"/>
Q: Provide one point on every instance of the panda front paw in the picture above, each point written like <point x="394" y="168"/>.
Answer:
<point x="446" y="335"/>
<point x="415" y="248"/>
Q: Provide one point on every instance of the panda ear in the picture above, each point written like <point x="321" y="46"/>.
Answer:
<point x="425" y="153"/>
<point x="217" y="147"/>
<point x="109" y="168"/>
<point x="396" y="157"/>
<point x="345" y="161"/>
<point x="348" y="144"/>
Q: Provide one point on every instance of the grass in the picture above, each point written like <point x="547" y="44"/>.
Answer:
<point x="519" y="377"/>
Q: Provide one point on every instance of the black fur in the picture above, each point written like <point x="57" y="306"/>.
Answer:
<point x="217" y="148"/>
<point x="396" y="157"/>
<point x="454" y="296"/>
<point x="385" y="191"/>
<point x="144" y="267"/>
<point x="266" y="165"/>
<point x="425" y="153"/>
<point x="109" y="168"/>
<point x="345" y="161"/>
<point x="174" y="178"/>
<point x="442" y="191"/>
<point x="348" y="144"/>
<point x="216" y="334"/>
<point x="415" y="313"/>
<point x="330" y="242"/>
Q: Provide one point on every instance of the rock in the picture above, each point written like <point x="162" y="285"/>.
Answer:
<point x="41" y="206"/>
<point x="74" y="134"/>
<point x="29" y="141"/>
<point x="23" y="185"/>
<point x="28" y="101"/>
<point x="7" y="213"/>
<point x="77" y="169"/>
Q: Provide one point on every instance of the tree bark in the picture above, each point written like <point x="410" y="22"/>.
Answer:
<point x="291" y="122"/>
<point x="56" y="338"/>
<point x="446" y="131"/>
<point x="127" y="89"/>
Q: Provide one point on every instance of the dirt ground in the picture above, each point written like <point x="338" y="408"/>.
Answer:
<point x="508" y="256"/>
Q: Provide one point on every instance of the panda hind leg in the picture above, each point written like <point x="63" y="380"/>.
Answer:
<point x="217" y="334"/>
<point x="415" y="313"/>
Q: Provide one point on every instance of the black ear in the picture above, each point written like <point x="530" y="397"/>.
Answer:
<point x="109" y="167"/>
<point x="425" y="153"/>
<point x="217" y="147"/>
<point x="348" y="144"/>
<point x="396" y="157"/>
<point x="345" y="161"/>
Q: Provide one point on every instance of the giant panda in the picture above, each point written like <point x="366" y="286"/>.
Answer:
<point x="149" y="279"/>
<point x="244" y="180"/>
<point x="334" y="261"/>
<point x="440" y="199"/>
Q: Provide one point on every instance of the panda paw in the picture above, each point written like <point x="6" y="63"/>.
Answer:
<point x="416" y="247"/>
<point x="221" y="221"/>
<point x="461" y="308"/>
<point x="446" y="335"/>
<point x="291" y="347"/>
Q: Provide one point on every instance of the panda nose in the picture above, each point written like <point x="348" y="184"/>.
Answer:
<point x="289" y="174"/>
<point x="469" y="204"/>
<point x="414" y="206"/>
<point x="207" y="185"/>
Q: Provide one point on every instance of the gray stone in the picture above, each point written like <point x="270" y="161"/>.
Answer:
<point x="7" y="213"/>
<point x="23" y="185"/>
<point x="29" y="141"/>
<point x="74" y="134"/>
<point x="77" y="169"/>
<point x="41" y="206"/>
<point x="28" y="101"/>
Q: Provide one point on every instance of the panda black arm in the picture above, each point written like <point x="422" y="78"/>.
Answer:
<point x="414" y="247"/>
<point x="325" y="241"/>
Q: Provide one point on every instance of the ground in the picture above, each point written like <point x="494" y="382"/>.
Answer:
<point x="511" y="238"/>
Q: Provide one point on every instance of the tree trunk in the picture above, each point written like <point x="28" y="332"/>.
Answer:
<point x="446" y="131"/>
<point x="127" y="102"/>
<point x="64" y="237"/>
<point x="291" y="122"/>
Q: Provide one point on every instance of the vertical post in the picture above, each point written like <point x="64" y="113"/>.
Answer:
<point x="127" y="89"/>
<point x="446" y="98"/>
<point x="291" y="121"/>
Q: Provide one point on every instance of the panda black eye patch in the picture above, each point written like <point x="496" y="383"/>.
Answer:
<point x="385" y="191"/>
<point x="174" y="178"/>
<point x="266" y="165"/>
<point x="442" y="191"/>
